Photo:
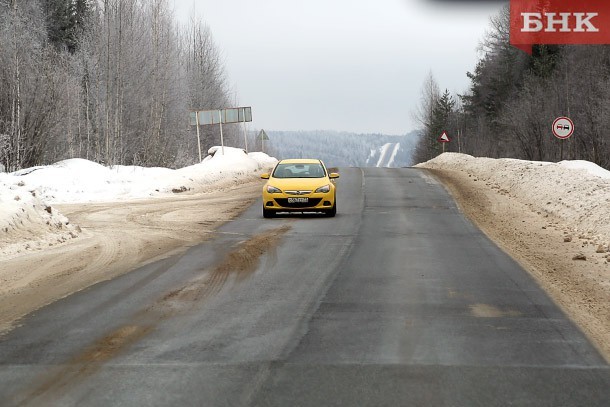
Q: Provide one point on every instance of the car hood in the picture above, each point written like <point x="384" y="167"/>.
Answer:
<point x="298" y="183"/>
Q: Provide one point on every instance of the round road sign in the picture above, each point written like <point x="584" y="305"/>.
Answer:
<point x="563" y="127"/>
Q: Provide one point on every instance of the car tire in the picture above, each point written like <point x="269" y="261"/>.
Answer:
<point x="268" y="214"/>
<point x="332" y="212"/>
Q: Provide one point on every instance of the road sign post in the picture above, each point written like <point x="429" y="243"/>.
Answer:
<point x="563" y="128"/>
<point x="220" y="116"/>
<point x="263" y="136"/>
<point x="198" y="137"/>
<point x="222" y="141"/>
<point x="243" y="125"/>
<point x="444" y="139"/>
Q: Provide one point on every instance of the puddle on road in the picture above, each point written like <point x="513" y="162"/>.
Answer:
<point x="239" y="263"/>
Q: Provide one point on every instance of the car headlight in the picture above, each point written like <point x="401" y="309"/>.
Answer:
<point x="273" y="190"/>
<point x="324" y="189"/>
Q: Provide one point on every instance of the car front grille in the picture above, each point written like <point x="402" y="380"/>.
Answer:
<point x="297" y="192"/>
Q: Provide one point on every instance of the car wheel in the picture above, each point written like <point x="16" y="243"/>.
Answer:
<point x="332" y="211"/>
<point x="267" y="213"/>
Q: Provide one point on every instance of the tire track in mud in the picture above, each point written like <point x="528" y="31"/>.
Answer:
<point x="239" y="264"/>
<point x="116" y="237"/>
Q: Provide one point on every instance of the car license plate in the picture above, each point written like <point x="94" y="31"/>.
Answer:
<point x="298" y="200"/>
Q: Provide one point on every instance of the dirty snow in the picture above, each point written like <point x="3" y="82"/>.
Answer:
<point x="577" y="192"/>
<point x="28" y="219"/>
<point x="27" y="222"/>
<point x="78" y="180"/>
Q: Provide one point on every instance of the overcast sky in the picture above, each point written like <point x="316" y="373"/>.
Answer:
<point x="353" y="65"/>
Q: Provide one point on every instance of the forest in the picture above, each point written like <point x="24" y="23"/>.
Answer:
<point x="111" y="81"/>
<point x="514" y="98"/>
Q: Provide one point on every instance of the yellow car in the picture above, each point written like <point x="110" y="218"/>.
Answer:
<point x="302" y="185"/>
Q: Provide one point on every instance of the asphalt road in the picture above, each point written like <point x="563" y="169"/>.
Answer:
<point x="397" y="301"/>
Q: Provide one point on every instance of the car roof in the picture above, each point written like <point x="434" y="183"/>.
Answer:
<point x="300" y="161"/>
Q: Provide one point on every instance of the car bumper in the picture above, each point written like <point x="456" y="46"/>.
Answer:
<point x="288" y="203"/>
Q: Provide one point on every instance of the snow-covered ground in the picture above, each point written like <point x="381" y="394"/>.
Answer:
<point x="577" y="192"/>
<point x="385" y="156"/>
<point x="29" y="220"/>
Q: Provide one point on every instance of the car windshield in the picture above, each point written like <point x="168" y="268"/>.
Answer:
<point x="314" y="170"/>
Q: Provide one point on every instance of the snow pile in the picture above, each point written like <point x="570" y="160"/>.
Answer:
<point x="26" y="222"/>
<point x="587" y="166"/>
<point x="577" y="192"/>
<point x="78" y="180"/>
<point x="28" y="219"/>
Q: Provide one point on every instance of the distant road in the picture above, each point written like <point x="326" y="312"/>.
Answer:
<point x="399" y="300"/>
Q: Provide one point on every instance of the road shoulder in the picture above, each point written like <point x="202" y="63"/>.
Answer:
<point x="116" y="238"/>
<point x="539" y="243"/>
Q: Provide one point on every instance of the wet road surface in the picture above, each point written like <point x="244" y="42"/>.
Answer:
<point x="399" y="300"/>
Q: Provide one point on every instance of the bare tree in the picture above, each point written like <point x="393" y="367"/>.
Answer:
<point x="426" y="147"/>
<point x="119" y="95"/>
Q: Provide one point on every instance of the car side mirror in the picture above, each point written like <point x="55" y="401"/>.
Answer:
<point x="333" y="175"/>
<point x="265" y="176"/>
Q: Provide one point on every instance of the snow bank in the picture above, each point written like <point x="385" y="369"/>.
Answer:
<point x="589" y="167"/>
<point x="26" y="222"/>
<point x="578" y="192"/>
<point x="28" y="219"/>
<point x="78" y="180"/>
